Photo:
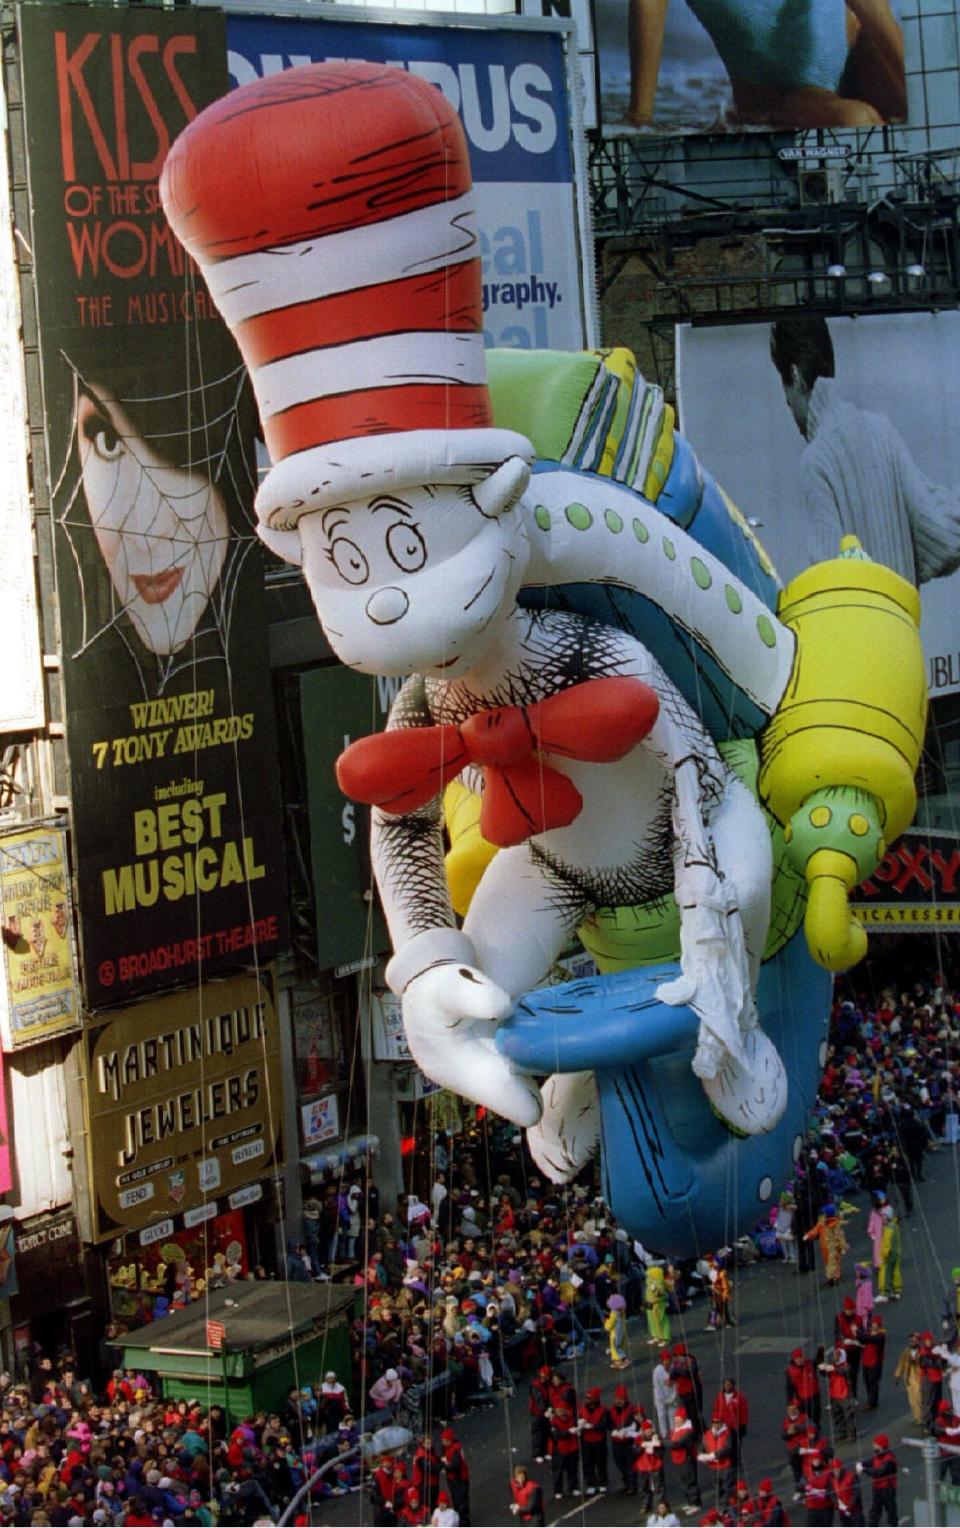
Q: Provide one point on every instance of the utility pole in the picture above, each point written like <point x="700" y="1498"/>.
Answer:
<point x="931" y="1450"/>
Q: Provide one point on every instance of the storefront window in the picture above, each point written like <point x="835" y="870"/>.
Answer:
<point x="329" y="1071"/>
<point x="148" y="1282"/>
<point x="318" y="1042"/>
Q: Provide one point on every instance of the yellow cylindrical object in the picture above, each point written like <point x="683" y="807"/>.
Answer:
<point x="834" y="937"/>
<point x="855" y="709"/>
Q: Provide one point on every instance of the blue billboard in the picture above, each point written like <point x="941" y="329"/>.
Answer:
<point x="509" y="84"/>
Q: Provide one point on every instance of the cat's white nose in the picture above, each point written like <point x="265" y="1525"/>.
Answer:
<point x="388" y="605"/>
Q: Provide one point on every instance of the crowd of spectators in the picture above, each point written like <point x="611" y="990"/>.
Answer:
<point x="484" y="1279"/>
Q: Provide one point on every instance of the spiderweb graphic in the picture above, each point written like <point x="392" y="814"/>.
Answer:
<point x="157" y="529"/>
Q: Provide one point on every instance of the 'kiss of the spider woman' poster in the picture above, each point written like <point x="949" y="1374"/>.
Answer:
<point x="168" y="712"/>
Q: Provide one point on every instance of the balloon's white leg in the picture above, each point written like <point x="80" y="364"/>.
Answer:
<point x="515" y="895"/>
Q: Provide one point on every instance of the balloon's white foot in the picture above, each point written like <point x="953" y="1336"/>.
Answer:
<point x="569" y="1128"/>
<point x="749" y="1091"/>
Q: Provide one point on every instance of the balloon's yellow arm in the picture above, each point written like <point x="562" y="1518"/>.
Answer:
<point x="839" y="756"/>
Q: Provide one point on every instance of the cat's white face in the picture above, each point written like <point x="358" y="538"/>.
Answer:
<point x="418" y="581"/>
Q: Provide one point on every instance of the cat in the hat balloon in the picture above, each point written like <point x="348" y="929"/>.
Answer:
<point x="330" y="210"/>
<point x="352" y="283"/>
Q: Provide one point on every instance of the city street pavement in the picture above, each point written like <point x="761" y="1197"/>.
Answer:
<point x="777" y="1311"/>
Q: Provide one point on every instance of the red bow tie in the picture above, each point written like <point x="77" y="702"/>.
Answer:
<point x="597" y="721"/>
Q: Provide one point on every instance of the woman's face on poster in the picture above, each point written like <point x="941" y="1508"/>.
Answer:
<point x="162" y="531"/>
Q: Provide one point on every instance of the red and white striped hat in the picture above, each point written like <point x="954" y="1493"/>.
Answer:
<point x="330" y="209"/>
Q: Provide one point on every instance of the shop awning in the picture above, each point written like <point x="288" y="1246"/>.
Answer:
<point x="354" y="1148"/>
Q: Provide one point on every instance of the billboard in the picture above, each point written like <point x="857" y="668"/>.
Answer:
<point x="873" y="450"/>
<point x="916" y="886"/>
<point x="714" y="66"/>
<point x="38" y="997"/>
<point x="580" y="14"/>
<point x="509" y="83"/>
<point x="21" y="694"/>
<point x="184" y="1097"/>
<point x="168" y="709"/>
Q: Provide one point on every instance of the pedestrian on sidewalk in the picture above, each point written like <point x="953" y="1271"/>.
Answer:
<point x="717" y="1455"/>
<point x="388" y="1491"/>
<point x="662" y="1516"/>
<point x="594" y="1426"/>
<point x="731" y="1406"/>
<point x="882" y="1469"/>
<point x="818" y="1492"/>
<point x="794" y="1434"/>
<point x="783" y="1227"/>
<point x="682" y="1443"/>
<point x="890" y="1277"/>
<point x="648" y="1466"/>
<point x="655" y="1299"/>
<point x="624" y="1422"/>
<point x="931" y="1381"/>
<point x="742" y="1506"/>
<point x="445" y="1514"/>
<point x="947" y="1428"/>
<point x="721" y="1295"/>
<point x="664" y="1392"/>
<point x="803" y="1384"/>
<point x="615" y="1326"/>
<point x="907" y="1373"/>
<point x="874" y="1348"/>
<point x="769" y="1508"/>
<point x="458" y="1474"/>
<point x="414" y="1513"/>
<point x="527" y="1503"/>
<point x="847" y="1496"/>
<point x="426" y="1471"/>
<point x="847" y="1332"/>
<point x="539" y="1405"/>
<point x="840" y="1391"/>
<point x="875" y="1229"/>
<point x="685" y="1373"/>
<point x="829" y="1233"/>
<point x="863" y="1292"/>
<point x="951" y="1359"/>
<point x="565" y="1451"/>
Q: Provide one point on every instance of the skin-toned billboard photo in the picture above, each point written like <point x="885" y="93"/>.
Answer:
<point x="711" y="66"/>
<point x="841" y="427"/>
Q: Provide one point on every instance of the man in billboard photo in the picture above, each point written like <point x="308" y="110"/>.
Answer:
<point x="792" y="63"/>
<point x="857" y="476"/>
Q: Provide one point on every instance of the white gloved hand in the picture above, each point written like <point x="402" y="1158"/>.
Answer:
<point x="450" y="1014"/>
